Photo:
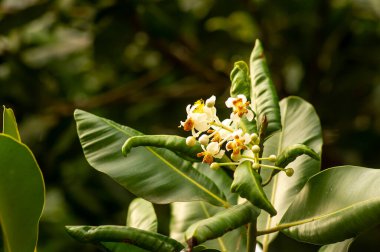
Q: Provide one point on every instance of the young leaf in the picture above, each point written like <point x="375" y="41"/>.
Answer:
<point x="9" y="124"/>
<point x="176" y="144"/>
<point x="155" y="174"/>
<point x="140" y="238"/>
<point x="335" y="204"/>
<point x="300" y="124"/>
<point x="241" y="84"/>
<point x="263" y="92"/>
<point x="290" y="153"/>
<point x="22" y="195"/>
<point x="220" y="223"/>
<point x="247" y="183"/>
<point x="204" y="249"/>
<point x="141" y="215"/>
<point x="184" y="214"/>
<point x="240" y="81"/>
<point x="121" y="247"/>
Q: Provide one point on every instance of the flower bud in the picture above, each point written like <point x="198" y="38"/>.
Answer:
<point x="256" y="166"/>
<point x="254" y="137"/>
<point x="210" y="102"/>
<point x="215" y="166"/>
<point x="255" y="149"/>
<point x="289" y="172"/>
<point x="235" y="157"/>
<point x="204" y="139"/>
<point x="272" y="158"/>
<point x="190" y="141"/>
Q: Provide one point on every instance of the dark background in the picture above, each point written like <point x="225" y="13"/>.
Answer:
<point x="140" y="63"/>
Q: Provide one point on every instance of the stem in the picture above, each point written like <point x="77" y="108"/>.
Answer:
<point x="251" y="236"/>
<point x="230" y="165"/>
<point x="272" y="167"/>
<point x="222" y="126"/>
<point x="268" y="180"/>
<point x="284" y="226"/>
<point x="248" y="157"/>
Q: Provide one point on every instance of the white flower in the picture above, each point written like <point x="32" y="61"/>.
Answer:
<point x="199" y="117"/>
<point x="240" y="107"/>
<point x="239" y="142"/>
<point x="223" y="132"/>
<point x="210" y="152"/>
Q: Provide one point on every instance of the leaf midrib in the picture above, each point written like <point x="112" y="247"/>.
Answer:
<point x="225" y="203"/>
<point x="275" y="181"/>
<point x="320" y="217"/>
<point x="326" y="215"/>
<point x="207" y="214"/>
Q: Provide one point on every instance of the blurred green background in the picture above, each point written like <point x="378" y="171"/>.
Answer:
<point x="140" y="62"/>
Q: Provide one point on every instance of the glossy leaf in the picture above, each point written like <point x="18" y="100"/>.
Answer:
<point x="247" y="183"/>
<point x="203" y="249"/>
<point x="155" y="174"/>
<point x="140" y="238"/>
<point x="121" y="247"/>
<point x="240" y="81"/>
<point x="335" y="204"/>
<point x="300" y="125"/>
<point x="22" y="195"/>
<point x="220" y="223"/>
<point x="291" y="152"/>
<point x="342" y="246"/>
<point x="141" y="215"/>
<point x="184" y="214"/>
<point x="263" y="92"/>
<point x="174" y="143"/>
<point x="220" y="178"/>
<point x="9" y="124"/>
<point x="241" y="84"/>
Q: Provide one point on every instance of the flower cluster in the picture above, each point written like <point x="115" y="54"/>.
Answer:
<point x="219" y="138"/>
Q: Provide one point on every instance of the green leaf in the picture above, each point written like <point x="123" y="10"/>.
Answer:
<point x="140" y="238"/>
<point x="334" y="205"/>
<point x="241" y="84"/>
<point x="220" y="178"/>
<point x="263" y="92"/>
<point x="342" y="246"/>
<point x="290" y="153"/>
<point x="9" y="124"/>
<point x="240" y="81"/>
<point x="176" y="144"/>
<point x="155" y="174"/>
<point x="184" y="214"/>
<point x="220" y="223"/>
<point x="121" y="247"/>
<point x="22" y="195"/>
<point x="204" y="249"/>
<point x="141" y="215"/>
<point x="300" y="125"/>
<point x="247" y="183"/>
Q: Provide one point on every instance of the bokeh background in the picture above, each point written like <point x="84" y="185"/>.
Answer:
<point x="140" y="62"/>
